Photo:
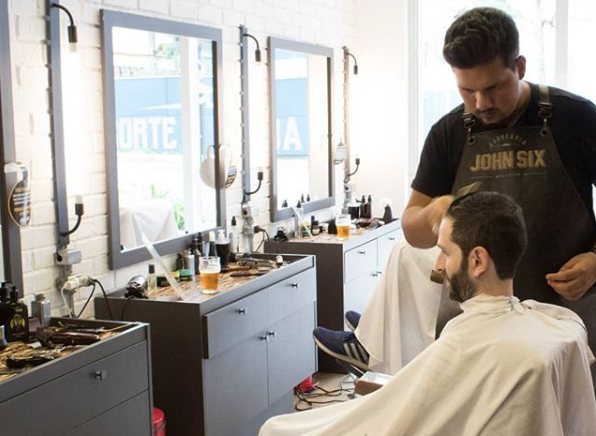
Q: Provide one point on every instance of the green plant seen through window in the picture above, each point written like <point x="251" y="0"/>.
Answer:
<point x="177" y="205"/>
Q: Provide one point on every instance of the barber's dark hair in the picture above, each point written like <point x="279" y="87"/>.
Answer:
<point x="493" y="221"/>
<point x="479" y="36"/>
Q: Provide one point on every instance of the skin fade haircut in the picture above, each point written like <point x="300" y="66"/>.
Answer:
<point x="493" y="221"/>
<point x="479" y="36"/>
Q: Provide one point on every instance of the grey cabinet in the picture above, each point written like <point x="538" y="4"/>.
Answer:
<point x="102" y="389"/>
<point x="347" y="272"/>
<point x="223" y="364"/>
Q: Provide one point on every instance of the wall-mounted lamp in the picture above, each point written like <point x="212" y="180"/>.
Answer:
<point x="260" y="179"/>
<point x="79" y="212"/>
<point x="258" y="50"/>
<point x="72" y="29"/>
<point x="355" y="61"/>
<point x="347" y="179"/>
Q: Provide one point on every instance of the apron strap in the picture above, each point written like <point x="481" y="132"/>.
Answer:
<point x="545" y="108"/>
<point x="469" y="122"/>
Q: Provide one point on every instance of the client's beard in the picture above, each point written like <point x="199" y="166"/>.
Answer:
<point x="461" y="287"/>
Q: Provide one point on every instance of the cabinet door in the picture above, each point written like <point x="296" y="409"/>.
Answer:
<point x="360" y="261"/>
<point x="358" y="292"/>
<point x="386" y="243"/>
<point x="235" y="386"/>
<point x="291" y="351"/>
<point x="132" y="418"/>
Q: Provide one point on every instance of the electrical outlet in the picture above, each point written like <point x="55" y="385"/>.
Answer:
<point x="68" y="256"/>
<point x="75" y="281"/>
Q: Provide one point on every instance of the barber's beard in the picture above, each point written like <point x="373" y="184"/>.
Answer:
<point x="461" y="287"/>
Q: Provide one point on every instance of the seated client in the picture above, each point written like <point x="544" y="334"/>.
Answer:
<point x="502" y="367"/>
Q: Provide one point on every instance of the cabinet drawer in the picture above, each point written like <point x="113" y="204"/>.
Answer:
<point x="360" y="260"/>
<point x="292" y="294"/>
<point x="235" y="322"/>
<point x="71" y="400"/>
<point x="385" y="245"/>
<point x="133" y="418"/>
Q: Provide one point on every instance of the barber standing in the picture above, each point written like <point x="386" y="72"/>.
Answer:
<point x="534" y="143"/>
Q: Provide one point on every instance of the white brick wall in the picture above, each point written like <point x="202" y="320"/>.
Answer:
<point x="325" y="22"/>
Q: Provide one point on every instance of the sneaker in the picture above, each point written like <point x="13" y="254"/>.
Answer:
<point x="342" y="345"/>
<point x="352" y="318"/>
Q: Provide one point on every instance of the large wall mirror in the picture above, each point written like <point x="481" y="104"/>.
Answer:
<point x="301" y="127"/>
<point x="162" y="97"/>
<point x="10" y="240"/>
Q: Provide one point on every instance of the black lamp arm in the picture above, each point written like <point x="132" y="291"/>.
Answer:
<point x="72" y="29"/>
<point x="355" y="62"/>
<point x="79" y="211"/>
<point x="347" y="179"/>
<point x="260" y="178"/>
<point x="258" y="50"/>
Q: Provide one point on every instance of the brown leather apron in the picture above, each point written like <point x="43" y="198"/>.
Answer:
<point x="523" y="162"/>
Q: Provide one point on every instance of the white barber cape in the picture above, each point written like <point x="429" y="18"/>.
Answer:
<point x="399" y="321"/>
<point x="500" y="368"/>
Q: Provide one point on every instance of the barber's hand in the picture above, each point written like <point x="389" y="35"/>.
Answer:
<point x="436" y="209"/>
<point x="575" y="277"/>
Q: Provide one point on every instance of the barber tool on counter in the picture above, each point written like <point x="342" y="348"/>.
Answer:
<point x="136" y="287"/>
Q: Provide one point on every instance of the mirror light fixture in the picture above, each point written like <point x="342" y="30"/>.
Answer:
<point x="347" y="179"/>
<point x="347" y="53"/>
<point x="79" y="212"/>
<point x="71" y="29"/>
<point x="258" y="50"/>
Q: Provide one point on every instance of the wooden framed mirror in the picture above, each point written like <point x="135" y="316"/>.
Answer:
<point x="162" y="121"/>
<point x="301" y="85"/>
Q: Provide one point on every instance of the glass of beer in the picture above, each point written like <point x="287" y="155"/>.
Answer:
<point x="209" y="269"/>
<point x="343" y="223"/>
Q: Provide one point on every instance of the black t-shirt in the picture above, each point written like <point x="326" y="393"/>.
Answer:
<point x="573" y="125"/>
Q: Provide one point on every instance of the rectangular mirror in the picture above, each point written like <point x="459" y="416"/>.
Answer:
<point x="301" y="84"/>
<point x="10" y="239"/>
<point x="162" y="120"/>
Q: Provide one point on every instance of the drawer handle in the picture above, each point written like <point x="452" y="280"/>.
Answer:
<point x="241" y="311"/>
<point x="101" y="374"/>
<point x="392" y="238"/>
<point x="264" y="338"/>
<point x="295" y="285"/>
<point x="271" y="333"/>
<point x="379" y="273"/>
<point x="361" y="252"/>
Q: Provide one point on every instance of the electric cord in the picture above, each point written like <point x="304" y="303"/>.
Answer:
<point x="124" y="307"/>
<point x="307" y="398"/>
<point x="258" y="229"/>
<point x="69" y="314"/>
<point x="87" y="302"/>
<point x="105" y="296"/>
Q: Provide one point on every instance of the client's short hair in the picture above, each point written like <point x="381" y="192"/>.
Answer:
<point x="493" y="221"/>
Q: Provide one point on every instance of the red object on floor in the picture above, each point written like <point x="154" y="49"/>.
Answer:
<point x="159" y="422"/>
<point x="307" y="384"/>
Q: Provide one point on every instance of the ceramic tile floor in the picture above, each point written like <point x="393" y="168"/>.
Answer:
<point x="338" y="386"/>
